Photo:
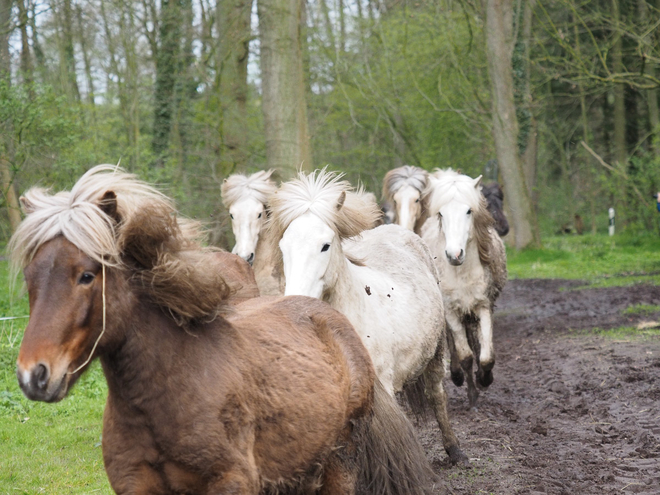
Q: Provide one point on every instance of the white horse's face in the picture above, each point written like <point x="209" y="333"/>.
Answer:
<point x="306" y="252"/>
<point x="247" y="218"/>
<point x="407" y="202"/>
<point x="456" y="222"/>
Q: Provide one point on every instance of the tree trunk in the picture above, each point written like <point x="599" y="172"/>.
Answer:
<point x="169" y="37"/>
<point x="529" y="157"/>
<point x="26" y="60"/>
<point x="284" y="108"/>
<point x="83" y="46"/>
<point x="233" y="18"/>
<point x="6" y="127"/>
<point x="619" y="91"/>
<point x="68" y="59"/>
<point x="499" y="45"/>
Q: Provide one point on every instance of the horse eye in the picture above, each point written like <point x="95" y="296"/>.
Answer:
<point x="259" y="215"/>
<point x="469" y="211"/>
<point x="439" y="215"/>
<point x="86" y="278"/>
<point x="325" y="248"/>
<point x="231" y="216"/>
<point x="417" y="200"/>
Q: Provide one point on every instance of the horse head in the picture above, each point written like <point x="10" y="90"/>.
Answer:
<point x="461" y="211"/>
<point x="110" y="234"/>
<point x="65" y="289"/>
<point x="403" y="188"/>
<point x="311" y="216"/>
<point x="246" y="199"/>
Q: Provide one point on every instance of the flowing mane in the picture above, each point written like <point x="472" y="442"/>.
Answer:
<point x="407" y="175"/>
<point x="323" y="193"/>
<point x="122" y="222"/>
<point x="258" y="185"/>
<point x="448" y="185"/>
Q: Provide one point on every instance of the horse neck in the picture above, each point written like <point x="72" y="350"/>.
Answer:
<point x="343" y="286"/>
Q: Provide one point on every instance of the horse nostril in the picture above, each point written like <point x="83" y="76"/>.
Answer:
<point x="250" y="258"/>
<point x="460" y="254"/>
<point x="40" y="376"/>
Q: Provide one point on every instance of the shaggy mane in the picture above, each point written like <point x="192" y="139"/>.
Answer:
<point x="319" y="193"/>
<point x="258" y="186"/>
<point x="448" y="185"/>
<point x="135" y="229"/>
<point x="407" y="175"/>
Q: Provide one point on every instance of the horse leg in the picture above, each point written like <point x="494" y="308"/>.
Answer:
<point x="463" y="352"/>
<point x="457" y="375"/>
<point x="338" y="476"/>
<point x="486" y="354"/>
<point x="437" y="397"/>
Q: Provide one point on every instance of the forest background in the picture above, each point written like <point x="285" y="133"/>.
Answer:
<point x="563" y="94"/>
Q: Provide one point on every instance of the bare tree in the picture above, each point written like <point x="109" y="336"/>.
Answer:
<point x="499" y="47"/>
<point x="284" y="107"/>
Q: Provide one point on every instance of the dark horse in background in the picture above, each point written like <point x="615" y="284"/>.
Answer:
<point x="208" y="393"/>
<point x="495" y="199"/>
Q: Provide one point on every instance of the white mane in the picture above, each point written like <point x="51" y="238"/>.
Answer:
<point x="324" y="194"/>
<point x="78" y="214"/>
<point x="447" y="185"/>
<point x="258" y="185"/>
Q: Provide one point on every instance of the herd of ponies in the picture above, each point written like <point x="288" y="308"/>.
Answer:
<point x="276" y="369"/>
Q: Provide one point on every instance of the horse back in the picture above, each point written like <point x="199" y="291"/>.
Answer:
<point x="317" y="323"/>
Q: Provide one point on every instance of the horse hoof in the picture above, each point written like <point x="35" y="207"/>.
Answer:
<point x="457" y="377"/>
<point x="484" y="378"/>
<point x="457" y="457"/>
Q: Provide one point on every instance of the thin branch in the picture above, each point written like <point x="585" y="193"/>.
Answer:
<point x="616" y="171"/>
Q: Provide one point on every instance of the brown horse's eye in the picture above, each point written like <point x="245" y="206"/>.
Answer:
<point x="86" y="278"/>
<point x="325" y="248"/>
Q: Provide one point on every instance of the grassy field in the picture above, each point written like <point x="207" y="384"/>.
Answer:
<point x="599" y="260"/>
<point x="55" y="448"/>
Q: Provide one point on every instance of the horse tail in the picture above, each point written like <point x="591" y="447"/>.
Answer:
<point x="391" y="459"/>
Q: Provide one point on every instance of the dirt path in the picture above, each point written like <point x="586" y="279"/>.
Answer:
<point x="569" y="412"/>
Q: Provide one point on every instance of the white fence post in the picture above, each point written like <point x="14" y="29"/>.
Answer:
<point x="611" y="212"/>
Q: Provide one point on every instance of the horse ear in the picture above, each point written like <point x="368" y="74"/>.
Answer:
<point x="108" y="205"/>
<point x="477" y="182"/>
<point x="26" y="205"/>
<point x="340" y="201"/>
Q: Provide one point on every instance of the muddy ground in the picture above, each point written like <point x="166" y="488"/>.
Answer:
<point x="569" y="412"/>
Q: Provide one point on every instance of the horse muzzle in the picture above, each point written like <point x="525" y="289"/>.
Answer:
<point x="456" y="260"/>
<point x="38" y="384"/>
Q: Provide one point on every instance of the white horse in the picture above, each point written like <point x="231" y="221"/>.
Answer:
<point x="403" y="189"/>
<point x="246" y="198"/>
<point x="472" y="263"/>
<point x="384" y="281"/>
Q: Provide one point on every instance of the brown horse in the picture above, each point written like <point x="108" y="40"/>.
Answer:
<point x="206" y="395"/>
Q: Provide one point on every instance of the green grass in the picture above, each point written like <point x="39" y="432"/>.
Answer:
<point x="46" y="448"/>
<point x="641" y="309"/>
<point x="622" y="333"/>
<point x="599" y="260"/>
